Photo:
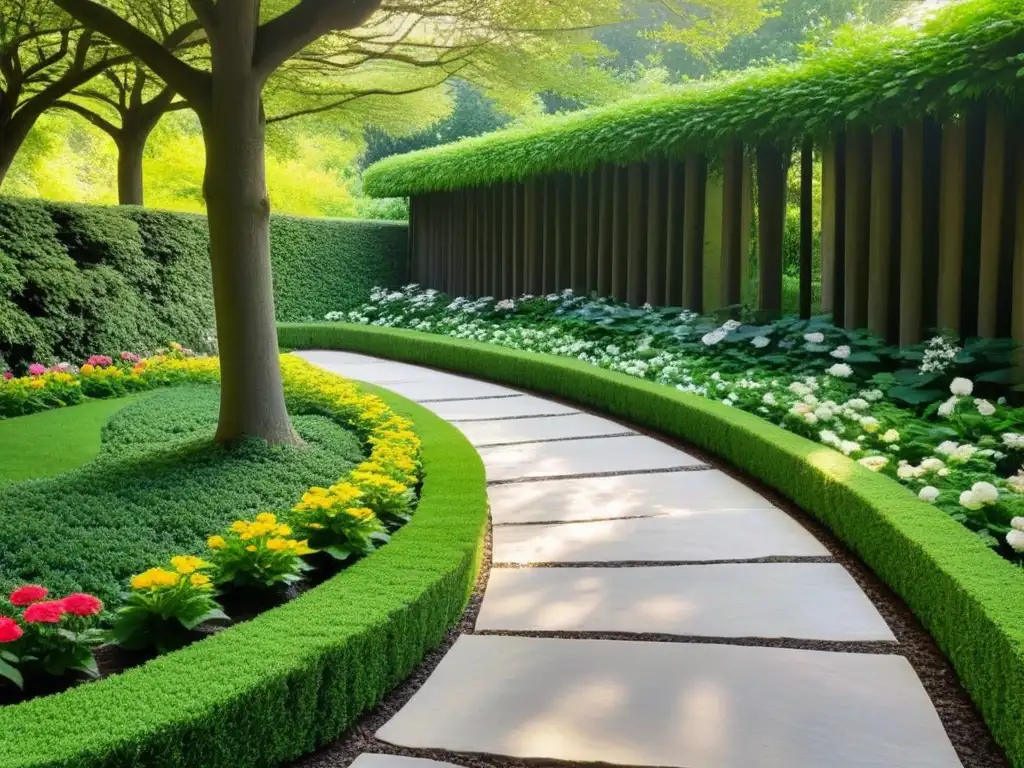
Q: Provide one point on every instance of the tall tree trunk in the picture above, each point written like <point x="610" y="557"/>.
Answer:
<point x="252" y="399"/>
<point x="130" y="148"/>
<point x="13" y="133"/>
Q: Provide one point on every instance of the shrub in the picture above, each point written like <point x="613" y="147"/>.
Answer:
<point x="77" y="279"/>
<point x="258" y="553"/>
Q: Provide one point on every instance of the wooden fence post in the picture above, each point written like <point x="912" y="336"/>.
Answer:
<point x="606" y="239"/>
<point x="636" y="234"/>
<point x="563" y="232"/>
<point x="880" y="254"/>
<point x="694" y="212"/>
<point x="912" y="234"/>
<point x="952" y="179"/>
<point x="578" y="225"/>
<point x="620" y="233"/>
<point x="657" y="232"/>
<point x="833" y="227"/>
<point x="533" y="210"/>
<point x="732" y="225"/>
<point x="771" y="194"/>
<point x="993" y="200"/>
<point x="593" y="228"/>
<point x="807" y="228"/>
<point x="858" y="226"/>
<point x="675" y="209"/>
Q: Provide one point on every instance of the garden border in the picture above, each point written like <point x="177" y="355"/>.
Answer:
<point x="969" y="599"/>
<point x="299" y="674"/>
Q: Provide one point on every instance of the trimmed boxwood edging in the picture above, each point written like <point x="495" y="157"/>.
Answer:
<point x="969" y="599"/>
<point x="294" y="678"/>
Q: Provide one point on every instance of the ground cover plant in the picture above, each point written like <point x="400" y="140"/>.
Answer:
<point x="933" y="417"/>
<point x="181" y="521"/>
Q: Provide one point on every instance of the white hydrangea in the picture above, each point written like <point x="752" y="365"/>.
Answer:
<point x="858" y="404"/>
<point x="929" y="493"/>
<point x="829" y="437"/>
<point x="841" y="352"/>
<point x="1013" y="441"/>
<point x="814" y="338"/>
<point x="874" y="463"/>
<point x="840" y="371"/>
<point x="1016" y="482"/>
<point x="760" y="342"/>
<point x="969" y="500"/>
<point x="848" y="446"/>
<point x="769" y="399"/>
<point x="933" y="464"/>
<point x="890" y="436"/>
<point x="869" y="424"/>
<point x="985" y="492"/>
<point x="1015" y="539"/>
<point x="961" y="386"/>
<point x="985" y="408"/>
<point x="799" y="389"/>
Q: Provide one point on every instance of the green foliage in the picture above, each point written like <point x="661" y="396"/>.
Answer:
<point x="257" y="553"/>
<point x="971" y="50"/>
<point x="79" y="280"/>
<point x="158" y="488"/>
<point x="969" y="599"/>
<point x="320" y="264"/>
<point x="265" y="692"/>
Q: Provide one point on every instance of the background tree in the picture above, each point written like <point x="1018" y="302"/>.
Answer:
<point x="44" y="55"/>
<point x="249" y="41"/>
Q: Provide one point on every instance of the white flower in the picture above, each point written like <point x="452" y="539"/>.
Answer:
<point x="858" y="404"/>
<point x="760" y="342"/>
<point x="714" y="337"/>
<point x="828" y="437"/>
<point x="1016" y="482"/>
<point x="872" y="394"/>
<point x="944" y="472"/>
<point x="506" y="304"/>
<point x="932" y="464"/>
<point x="929" y="493"/>
<point x="731" y="325"/>
<point x="840" y="371"/>
<point x="1018" y="523"/>
<point x="963" y="452"/>
<point x="907" y="472"/>
<point x="799" y="389"/>
<point x="1013" y="441"/>
<point x="811" y="400"/>
<point x="961" y="386"/>
<point x="824" y="413"/>
<point x="1015" y="539"/>
<point x="840" y="353"/>
<point x="810" y="418"/>
<point x="890" y="436"/>
<point x="869" y="424"/>
<point x="986" y="493"/>
<point x="848" y="446"/>
<point x="814" y="338"/>
<point x="946" y="447"/>
<point x="947" y="408"/>
<point x="800" y="409"/>
<point x="874" y="463"/>
<point x="769" y="399"/>
<point x="985" y="408"/>
<point x="969" y="500"/>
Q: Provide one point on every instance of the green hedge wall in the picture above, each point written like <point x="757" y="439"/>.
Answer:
<point x="970" y="599"/>
<point x="970" y="51"/>
<point x="268" y="691"/>
<point x="79" y="280"/>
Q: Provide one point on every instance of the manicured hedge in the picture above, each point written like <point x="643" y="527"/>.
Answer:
<point x="970" y="600"/>
<point x="970" y="50"/>
<point x="267" y="691"/>
<point x="78" y="280"/>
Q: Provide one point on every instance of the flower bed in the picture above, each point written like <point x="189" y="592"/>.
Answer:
<point x="259" y="557"/>
<point x="969" y="599"/>
<point x="295" y="677"/>
<point x="933" y="417"/>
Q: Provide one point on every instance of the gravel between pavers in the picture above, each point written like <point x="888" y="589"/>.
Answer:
<point x="967" y="732"/>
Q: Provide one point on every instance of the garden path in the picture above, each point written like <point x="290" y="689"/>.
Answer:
<point x="646" y="609"/>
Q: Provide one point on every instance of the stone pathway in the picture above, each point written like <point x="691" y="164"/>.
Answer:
<point x="635" y="609"/>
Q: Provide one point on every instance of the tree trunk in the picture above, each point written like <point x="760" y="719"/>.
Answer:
<point x="12" y="135"/>
<point x="130" y="148"/>
<point x="252" y="399"/>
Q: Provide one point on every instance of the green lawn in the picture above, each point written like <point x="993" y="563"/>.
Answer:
<point x="48" y="443"/>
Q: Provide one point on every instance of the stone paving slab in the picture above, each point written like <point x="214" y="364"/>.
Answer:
<point x="504" y="408"/>
<point x="370" y="369"/>
<point x="370" y="760"/>
<point x="663" y="493"/>
<point x="685" y="537"/>
<point x="674" y="704"/>
<point x="450" y="388"/>
<point x="632" y="453"/>
<point x="484" y="433"/>
<point x="808" y="601"/>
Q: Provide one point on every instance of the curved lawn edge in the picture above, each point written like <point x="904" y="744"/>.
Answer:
<point x="294" y="678"/>
<point x="967" y="597"/>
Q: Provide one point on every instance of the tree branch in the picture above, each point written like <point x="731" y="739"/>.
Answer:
<point x="283" y="37"/>
<point x="188" y="81"/>
<point x="100" y="122"/>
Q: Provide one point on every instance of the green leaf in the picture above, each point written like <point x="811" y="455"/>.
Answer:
<point x="214" y="614"/>
<point x="863" y="357"/>
<point x="914" y="396"/>
<point x="1003" y="376"/>
<point x="10" y="673"/>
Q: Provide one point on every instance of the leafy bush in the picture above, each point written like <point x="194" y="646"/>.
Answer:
<point x="159" y="487"/>
<point x="77" y="280"/>
<point x="258" y="553"/>
<point x="940" y="424"/>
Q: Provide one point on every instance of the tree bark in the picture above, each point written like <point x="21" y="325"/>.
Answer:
<point x="13" y="133"/>
<point x="252" y="398"/>
<point x="130" y="148"/>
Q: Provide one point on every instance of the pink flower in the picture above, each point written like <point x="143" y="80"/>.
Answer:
<point x="9" y="630"/>
<point x="128" y="357"/>
<point x="36" y="369"/>
<point x="8" y="375"/>
<point x="81" y="604"/>
<point x="30" y="593"/>
<point x="99" y="361"/>
<point x="50" y="612"/>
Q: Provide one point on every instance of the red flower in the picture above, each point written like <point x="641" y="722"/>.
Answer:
<point x="81" y="604"/>
<point x="9" y="630"/>
<point x="30" y="593"/>
<point x="50" y="612"/>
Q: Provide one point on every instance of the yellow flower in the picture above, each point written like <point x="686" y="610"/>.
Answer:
<point x="277" y="544"/>
<point x="283" y="530"/>
<point x="200" y="581"/>
<point x="86" y="370"/>
<point x="155" y="578"/>
<point x="37" y="383"/>
<point x="216" y="542"/>
<point x="188" y="564"/>
<point x="266" y="517"/>
<point x="239" y="526"/>
<point x="250" y="548"/>
<point x="360" y="513"/>
<point x="302" y="548"/>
